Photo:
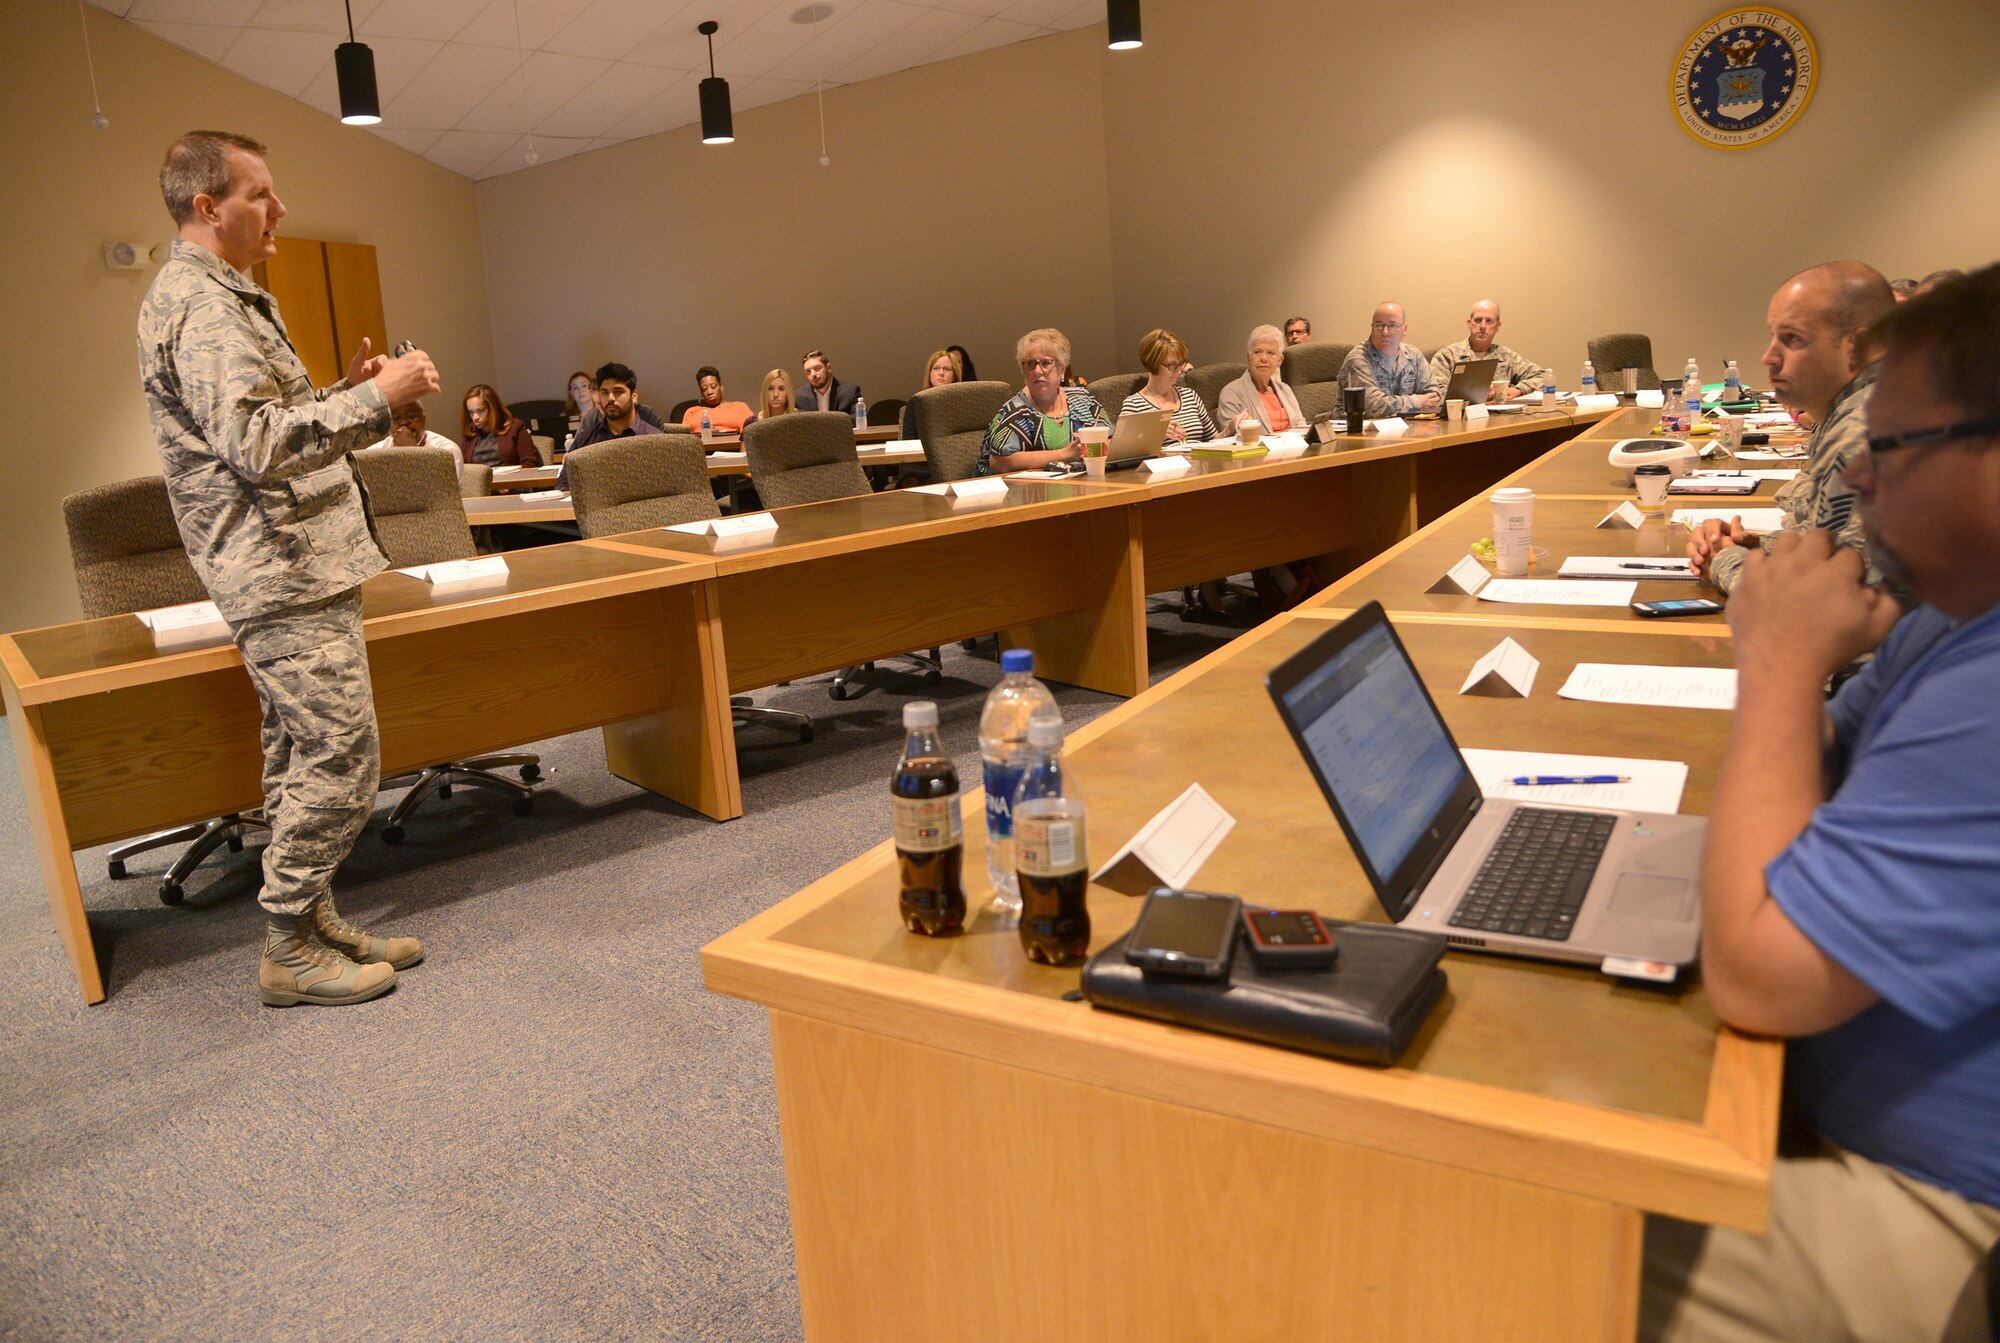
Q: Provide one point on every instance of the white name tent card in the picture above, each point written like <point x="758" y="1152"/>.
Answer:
<point x="748" y="524"/>
<point x="1477" y="411"/>
<point x="186" y="623"/>
<point x="1656" y="785"/>
<point x="730" y="457"/>
<point x="1652" y="400"/>
<point x="898" y="445"/>
<point x="1291" y="438"/>
<point x="1754" y="519"/>
<point x="1393" y="425"/>
<point x="487" y="569"/>
<point x="1602" y="401"/>
<point x="1170" y="848"/>
<point x="1467" y="576"/>
<point x="516" y="469"/>
<point x="542" y="496"/>
<point x="1667" y="687"/>
<point x="1284" y="451"/>
<point x="1164" y="466"/>
<point x="1623" y="567"/>
<point x="1507" y="669"/>
<point x="1558" y="592"/>
<point x="971" y="488"/>
<point x="1625" y="516"/>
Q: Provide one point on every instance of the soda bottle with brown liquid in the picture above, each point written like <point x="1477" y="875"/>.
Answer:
<point x="930" y="836"/>
<point x="1051" y="852"/>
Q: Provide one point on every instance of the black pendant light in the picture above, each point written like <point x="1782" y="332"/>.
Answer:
<point x="716" y="128"/>
<point x="1122" y="18"/>
<point x="354" y="69"/>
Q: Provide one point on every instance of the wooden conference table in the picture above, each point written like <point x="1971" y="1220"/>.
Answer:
<point x="970" y="1157"/>
<point x="725" y="458"/>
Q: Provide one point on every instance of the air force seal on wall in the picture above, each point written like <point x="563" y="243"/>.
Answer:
<point x="1744" y="77"/>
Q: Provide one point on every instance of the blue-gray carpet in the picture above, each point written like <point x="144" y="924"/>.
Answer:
<point x="548" y="1131"/>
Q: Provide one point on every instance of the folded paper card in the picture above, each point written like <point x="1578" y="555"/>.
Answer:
<point x="186" y="623"/>
<point x="1625" y="516"/>
<point x="1467" y="576"/>
<point x="1393" y="424"/>
<point x="742" y="525"/>
<point x="462" y="573"/>
<point x="1170" y="848"/>
<point x="1164" y="466"/>
<point x="1602" y="401"/>
<point x="1652" y="400"/>
<point x="1507" y="669"/>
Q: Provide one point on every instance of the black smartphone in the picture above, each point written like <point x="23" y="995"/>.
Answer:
<point x="1687" y="606"/>
<point x="1191" y="934"/>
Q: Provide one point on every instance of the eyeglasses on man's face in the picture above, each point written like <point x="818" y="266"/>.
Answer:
<point x="1385" y="326"/>
<point x="1925" y="438"/>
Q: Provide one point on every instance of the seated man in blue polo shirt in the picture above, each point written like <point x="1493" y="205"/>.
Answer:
<point x="1851" y="885"/>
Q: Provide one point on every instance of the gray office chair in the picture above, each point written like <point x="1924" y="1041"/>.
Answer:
<point x="1312" y="371"/>
<point x="127" y="553"/>
<point x="1610" y="354"/>
<point x="419" y="519"/>
<point x="659" y="480"/>
<point x="886" y="412"/>
<point x="951" y="422"/>
<point x="809" y="458"/>
<point x="1112" y="389"/>
<point x="475" y="480"/>
<point x="1209" y="380"/>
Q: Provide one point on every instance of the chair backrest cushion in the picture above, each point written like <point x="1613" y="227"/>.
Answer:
<point x="126" y="549"/>
<point x="952" y="422"/>
<point x="413" y="493"/>
<point x="1315" y="361"/>
<point x="1209" y="380"/>
<point x="1610" y="354"/>
<point x="804" y="458"/>
<point x="627" y="484"/>
<point x="1112" y="389"/>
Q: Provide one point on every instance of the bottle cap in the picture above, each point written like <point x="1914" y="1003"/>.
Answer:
<point x="1045" y="730"/>
<point x="1018" y="660"/>
<point x="920" y="713"/>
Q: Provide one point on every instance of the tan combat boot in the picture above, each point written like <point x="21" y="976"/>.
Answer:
<point x="358" y="944"/>
<point x="299" y="968"/>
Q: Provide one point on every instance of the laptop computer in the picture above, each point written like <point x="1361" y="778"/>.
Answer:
<point x="1138" y="436"/>
<point x="1472" y="382"/>
<point x="1560" y="883"/>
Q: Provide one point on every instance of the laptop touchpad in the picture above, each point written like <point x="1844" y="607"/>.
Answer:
<point x="1643" y="895"/>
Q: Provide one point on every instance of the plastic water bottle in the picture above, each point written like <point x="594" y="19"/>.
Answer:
<point x="1586" y="385"/>
<point x="1691" y="388"/>
<point x="1732" y="381"/>
<point x="707" y="429"/>
<point x="1672" y="408"/>
<point x="1052" y="851"/>
<point x="930" y="838"/>
<point x="1548" y="389"/>
<point x="1003" y="751"/>
<point x="860" y="412"/>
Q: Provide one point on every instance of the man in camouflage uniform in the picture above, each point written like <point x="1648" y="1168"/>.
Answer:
<point x="275" y="519"/>
<point x="1482" y="324"/>
<point x="1395" y="378"/>
<point x="1821" y="363"/>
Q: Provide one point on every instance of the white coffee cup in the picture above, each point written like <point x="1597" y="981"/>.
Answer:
<point x="1729" y="432"/>
<point x="1249" y="431"/>
<point x="1652" y="480"/>
<point x="1093" y="466"/>
<point x="1513" y="529"/>
<point x="1454" y="410"/>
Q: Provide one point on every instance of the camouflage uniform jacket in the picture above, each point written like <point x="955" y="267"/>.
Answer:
<point x="1817" y="498"/>
<point x="258" y="464"/>
<point x="1524" y="377"/>
<point x="1394" y="386"/>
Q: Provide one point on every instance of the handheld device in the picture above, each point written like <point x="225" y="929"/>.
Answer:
<point x="1190" y="934"/>
<point x="405" y="347"/>
<point x="1288" y="939"/>
<point x="1688" y="606"/>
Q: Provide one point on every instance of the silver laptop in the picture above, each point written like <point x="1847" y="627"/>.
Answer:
<point x="1555" y="883"/>
<point x="1137" y="437"/>
<point x="1472" y="382"/>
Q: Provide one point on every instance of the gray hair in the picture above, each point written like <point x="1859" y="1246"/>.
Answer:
<point x="197" y="164"/>
<point x="1264" y="332"/>
<point x="1055" y="341"/>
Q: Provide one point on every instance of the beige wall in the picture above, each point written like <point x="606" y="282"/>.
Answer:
<point x="965" y="204"/>
<point x="68" y="368"/>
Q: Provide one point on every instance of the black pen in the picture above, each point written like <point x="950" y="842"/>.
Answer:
<point x="1668" y="565"/>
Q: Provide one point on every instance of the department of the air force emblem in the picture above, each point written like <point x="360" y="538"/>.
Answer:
<point x="1744" y="77"/>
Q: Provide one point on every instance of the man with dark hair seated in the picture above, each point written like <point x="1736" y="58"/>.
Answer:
<point x="1851" y="884"/>
<point x="618" y="413"/>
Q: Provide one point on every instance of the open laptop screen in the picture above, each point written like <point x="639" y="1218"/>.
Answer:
<point x="1381" y="753"/>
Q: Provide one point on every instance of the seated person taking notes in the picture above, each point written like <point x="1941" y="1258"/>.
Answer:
<point x="1851" y="883"/>
<point x="1260" y="394"/>
<point x="724" y="417"/>
<point x="1394" y="377"/>
<point x="1037" y="425"/>
<point x="1514" y="378"/>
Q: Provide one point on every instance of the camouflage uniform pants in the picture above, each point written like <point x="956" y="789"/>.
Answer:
<point x="322" y="757"/>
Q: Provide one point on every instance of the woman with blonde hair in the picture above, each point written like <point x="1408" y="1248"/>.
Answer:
<point x="940" y="370"/>
<point x="774" y="397"/>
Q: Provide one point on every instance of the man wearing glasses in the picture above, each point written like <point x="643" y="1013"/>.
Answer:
<point x="1821" y="364"/>
<point x="1297" y="331"/>
<point x="1851" y="882"/>
<point x="1394" y="378"/>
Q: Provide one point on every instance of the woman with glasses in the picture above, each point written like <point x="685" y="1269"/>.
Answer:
<point x="490" y="433"/>
<point x="1037" y="426"/>
<point x="940" y="370"/>
<point x="1260" y="394"/>
<point x="1164" y="356"/>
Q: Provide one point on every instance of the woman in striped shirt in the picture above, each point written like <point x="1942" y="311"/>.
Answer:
<point x="1165" y="358"/>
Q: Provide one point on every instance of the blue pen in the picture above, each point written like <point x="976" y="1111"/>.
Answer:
<point x="1535" y="779"/>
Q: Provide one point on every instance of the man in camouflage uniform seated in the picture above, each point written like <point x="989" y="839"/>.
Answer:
<point x="276" y="521"/>
<point x="1482" y="325"/>
<point x="1821" y="363"/>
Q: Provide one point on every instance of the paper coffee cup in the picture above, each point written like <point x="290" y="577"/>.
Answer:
<point x="1454" y="409"/>
<point x="1093" y="465"/>
<point x="1093" y="438"/>
<point x="1513" y="529"/>
<point x="1250" y="432"/>
<point x="1652" y="481"/>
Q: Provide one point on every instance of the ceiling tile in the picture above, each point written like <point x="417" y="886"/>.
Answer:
<point x="398" y="60"/>
<point x="285" y="61"/>
<point x="539" y="20"/>
<point x="918" y="44"/>
<point x="117" y="7"/>
<point x="614" y="30"/>
<point x="671" y="107"/>
<point x="435" y="20"/>
<point x="234" y="13"/>
<point x="456" y="81"/>
<point x="754" y="48"/>
<point x="466" y="152"/>
<point x="607" y="100"/>
<point x="1085" y="14"/>
<point x="205" y="40"/>
<point x="759" y="92"/>
<point x="992" y="33"/>
<point x="1043" y="13"/>
<point x="549" y="81"/>
<point x="514" y="158"/>
<point x="323" y="92"/>
<point x="313" y="16"/>
<point x="848" y="38"/>
<point x="983" y="8"/>
<point x="414" y="141"/>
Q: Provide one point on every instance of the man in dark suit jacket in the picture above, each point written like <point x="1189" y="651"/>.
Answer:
<point x="823" y="391"/>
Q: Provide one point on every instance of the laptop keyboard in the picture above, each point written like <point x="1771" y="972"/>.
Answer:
<point x="1537" y="874"/>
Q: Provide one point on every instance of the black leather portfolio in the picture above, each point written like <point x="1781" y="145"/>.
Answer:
<point x="1366" y="1007"/>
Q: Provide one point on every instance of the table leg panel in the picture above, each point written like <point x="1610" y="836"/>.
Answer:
<point x="53" y="848"/>
<point x="687" y="750"/>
